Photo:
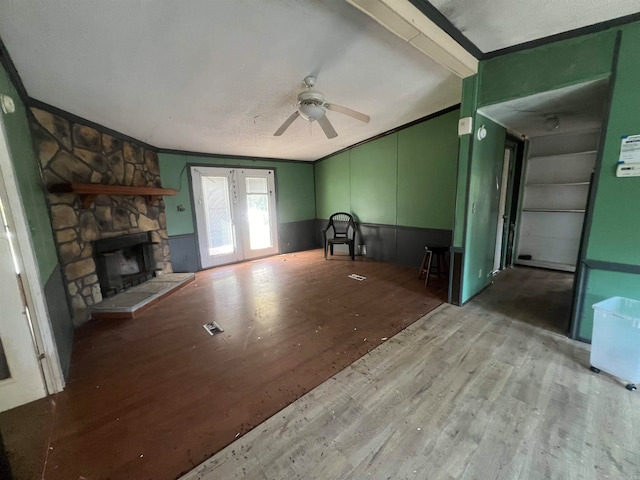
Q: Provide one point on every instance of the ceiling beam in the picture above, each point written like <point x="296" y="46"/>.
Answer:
<point x="407" y="22"/>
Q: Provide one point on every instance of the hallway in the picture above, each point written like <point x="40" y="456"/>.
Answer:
<point x="533" y="295"/>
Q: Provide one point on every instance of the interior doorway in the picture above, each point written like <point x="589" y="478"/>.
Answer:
<point x="502" y="231"/>
<point x="235" y="213"/>
<point x="562" y="132"/>
<point x="508" y="204"/>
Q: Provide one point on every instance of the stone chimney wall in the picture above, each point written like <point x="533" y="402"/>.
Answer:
<point x="75" y="153"/>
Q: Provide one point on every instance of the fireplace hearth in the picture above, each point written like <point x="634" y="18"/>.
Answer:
<point x="123" y="262"/>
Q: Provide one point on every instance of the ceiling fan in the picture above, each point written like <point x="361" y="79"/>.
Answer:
<point x="312" y="107"/>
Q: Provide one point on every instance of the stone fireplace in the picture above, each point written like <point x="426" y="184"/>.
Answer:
<point x="123" y="262"/>
<point x="76" y="153"/>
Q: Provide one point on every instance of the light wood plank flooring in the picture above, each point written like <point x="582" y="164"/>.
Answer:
<point x="463" y="393"/>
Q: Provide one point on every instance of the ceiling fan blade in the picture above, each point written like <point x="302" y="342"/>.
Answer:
<point x="327" y="128"/>
<point x="347" y="111"/>
<point x="287" y="123"/>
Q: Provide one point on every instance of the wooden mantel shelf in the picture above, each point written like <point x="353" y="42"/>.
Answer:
<point x="88" y="191"/>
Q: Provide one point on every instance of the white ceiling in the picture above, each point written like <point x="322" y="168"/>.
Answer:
<point x="220" y="76"/>
<point x="496" y="24"/>
<point x="577" y="108"/>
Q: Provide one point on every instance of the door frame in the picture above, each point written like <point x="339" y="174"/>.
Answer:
<point x="515" y="199"/>
<point x="222" y="259"/>
<point x="45" y="343"/>
<point x="273" y="217"/>
<point x="190" y="165"/>
<point x="503" y="217"/>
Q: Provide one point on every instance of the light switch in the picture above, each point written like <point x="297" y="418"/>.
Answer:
<point x="465" y="126"/>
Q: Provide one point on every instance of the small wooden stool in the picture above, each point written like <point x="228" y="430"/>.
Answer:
<point x="441" y="265"/>
<point x="426" y="265"/>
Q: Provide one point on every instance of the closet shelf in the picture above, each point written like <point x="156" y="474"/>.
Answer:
<point x="585" y="152"/>
<point x="567" y="184"/>
<point x="553" y="210"/>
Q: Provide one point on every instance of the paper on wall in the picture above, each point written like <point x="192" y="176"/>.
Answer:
<point x="630" y="149"/>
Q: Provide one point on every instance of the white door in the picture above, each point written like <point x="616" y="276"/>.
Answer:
<point x="235" y="214"/>
<point x="21" y="379"/>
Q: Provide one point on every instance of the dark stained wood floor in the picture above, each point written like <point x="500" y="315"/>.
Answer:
<point x="540" y="297"/>
<point x="155" y="396"/>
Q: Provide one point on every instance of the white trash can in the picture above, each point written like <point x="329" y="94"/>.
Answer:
<point x="615" y="344"/>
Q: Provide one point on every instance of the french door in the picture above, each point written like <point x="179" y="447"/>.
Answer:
<point x="235" y="212"/>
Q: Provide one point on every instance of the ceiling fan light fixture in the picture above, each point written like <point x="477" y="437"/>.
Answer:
<point x="311" y="111"/>
<point x="313" y="108"/>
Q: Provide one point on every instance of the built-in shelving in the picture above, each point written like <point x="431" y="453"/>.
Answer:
<point x="560" y="155"/>
<point x="558" y="175"/>
<point x="553" y="210"/>
<point x="567" y="184"/>
<point x="88" y="191"/>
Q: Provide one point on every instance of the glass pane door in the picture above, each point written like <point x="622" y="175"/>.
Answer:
<point x="214" y="195"/>
<point x="235" y="214"/>
<point x="219" y="227"/>
<point x="258" y="210"/>
<point x="260" y="229"/>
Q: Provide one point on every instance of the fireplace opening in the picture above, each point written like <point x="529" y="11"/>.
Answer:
<point x="123" y="262"/>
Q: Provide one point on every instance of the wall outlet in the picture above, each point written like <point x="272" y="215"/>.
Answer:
<point x="480" y="273"/>
<point x="473" y="207"/>
<point x="362" y="249"/>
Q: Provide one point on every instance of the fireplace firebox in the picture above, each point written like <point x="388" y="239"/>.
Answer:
<point x="123" y="262"/>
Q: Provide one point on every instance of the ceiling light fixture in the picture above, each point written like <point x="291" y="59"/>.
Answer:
<point x="551" y="123"/>
<point x="410" y="24"/>
<point x="311" y="111"/>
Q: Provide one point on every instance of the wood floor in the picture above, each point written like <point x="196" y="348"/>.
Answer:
<point x="151" y="398"/>
<point x="463" y="393"/>
<point x="533" y="295"/>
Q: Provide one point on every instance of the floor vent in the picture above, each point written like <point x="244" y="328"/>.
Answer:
<point x="213" y="328"/>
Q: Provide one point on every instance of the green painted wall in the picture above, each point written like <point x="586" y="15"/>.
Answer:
<point x="423" y="179"/>
<point x="406" y="178"/>
<point x="333" y="185"/>
<point x="28" y="175"/>
<point x="173" y="174"/>
<point x="374" y="168"/>
<point x="615" y="231"/>
<point x="467" y="109"/>
<point x="294" y="187"/>
<point x="482" y="215"/>
<point x="546" y="68"/>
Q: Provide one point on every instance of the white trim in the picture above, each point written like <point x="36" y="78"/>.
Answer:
<point x="407" y="22"/>
<point x="33" y="286"/>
